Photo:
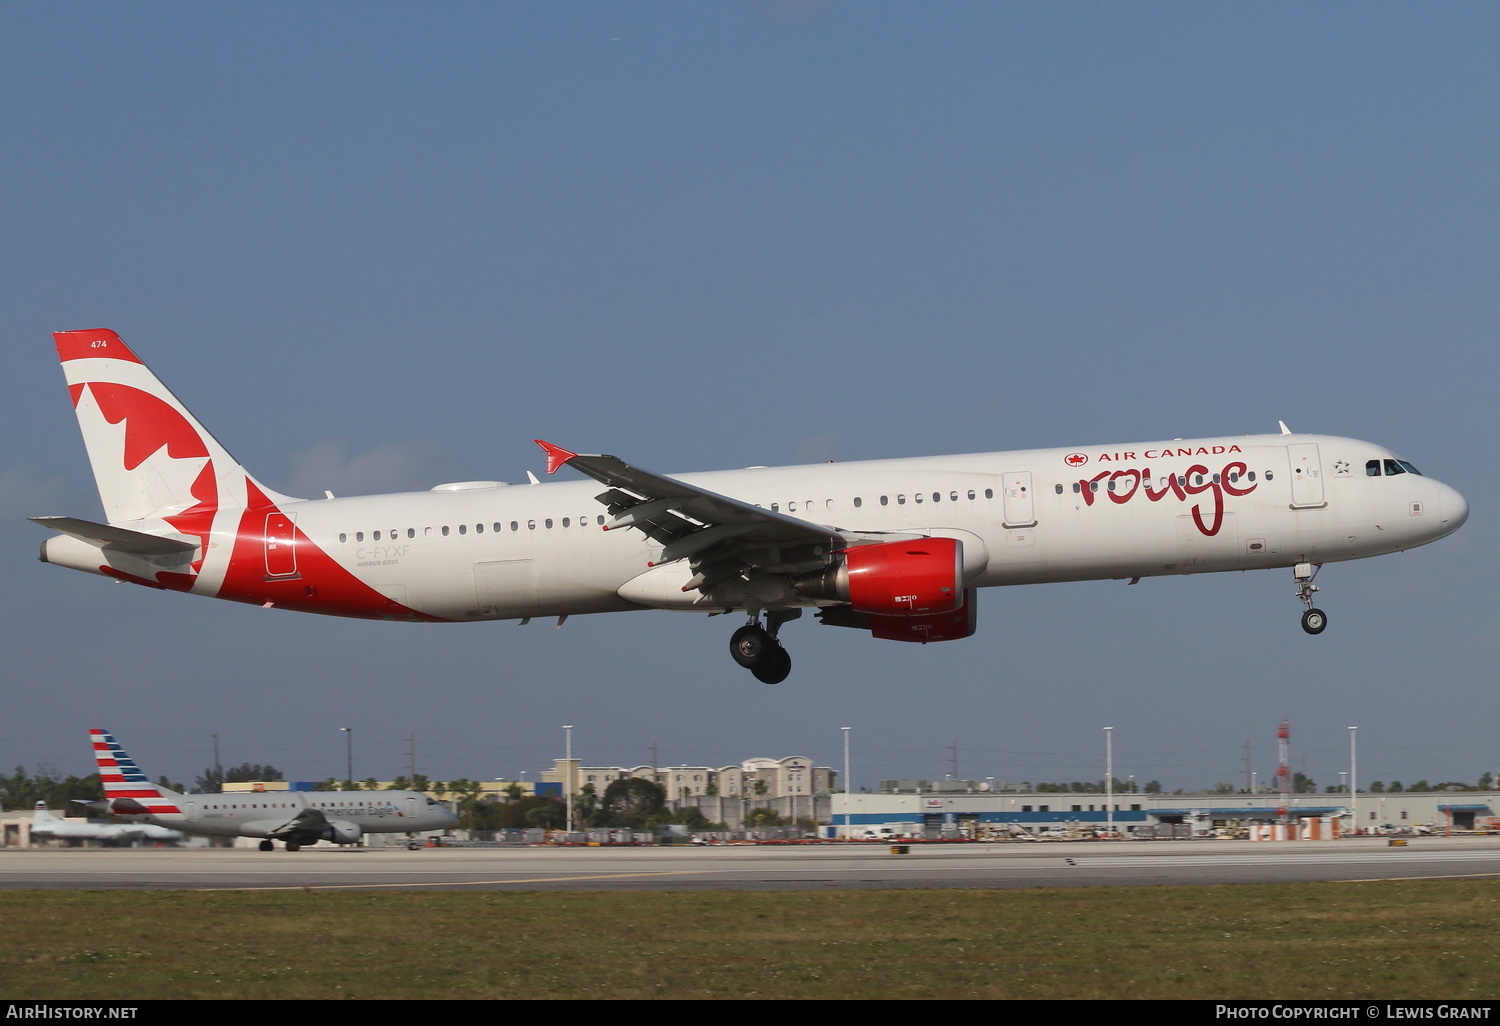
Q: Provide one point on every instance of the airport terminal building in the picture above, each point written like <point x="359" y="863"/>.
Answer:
<point x="972" y="813"/>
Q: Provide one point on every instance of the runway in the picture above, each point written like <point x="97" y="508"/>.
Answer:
<point x="823" y="867"/>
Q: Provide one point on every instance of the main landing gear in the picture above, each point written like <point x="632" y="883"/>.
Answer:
<point x="267" y="845"/>
<point x="756" y="649"/>
<point x="1313" y="620"/>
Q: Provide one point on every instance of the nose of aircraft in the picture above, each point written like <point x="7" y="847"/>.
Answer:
<point x="1454" y="508"/>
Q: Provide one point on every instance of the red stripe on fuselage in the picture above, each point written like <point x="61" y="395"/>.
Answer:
<point x="320" y="585"/>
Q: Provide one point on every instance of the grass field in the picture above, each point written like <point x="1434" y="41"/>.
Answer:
<point x="1422" y="939"/>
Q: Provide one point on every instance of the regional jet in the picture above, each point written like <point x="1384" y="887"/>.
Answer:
<point x="296" y="818"/>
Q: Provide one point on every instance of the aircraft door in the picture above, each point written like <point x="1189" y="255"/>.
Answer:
<point x="1015" y="490"/>
<point x="1307" y="476"/>
<point x="281" y="549"/>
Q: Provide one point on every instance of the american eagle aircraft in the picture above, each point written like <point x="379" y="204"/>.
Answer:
<point x="295" y="818"/>
<point x="894" y="547"/>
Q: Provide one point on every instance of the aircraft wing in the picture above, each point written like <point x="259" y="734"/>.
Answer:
<point x="307" y="821"/>
<point x="722" y="536"/>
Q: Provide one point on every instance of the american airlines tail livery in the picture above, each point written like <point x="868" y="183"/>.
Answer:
<point x="295" y="818"/>
<point x="894" y="547"/>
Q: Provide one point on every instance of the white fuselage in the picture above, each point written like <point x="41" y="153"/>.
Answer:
<point x="1025" y="517"/>
<point x="268" y="813"/>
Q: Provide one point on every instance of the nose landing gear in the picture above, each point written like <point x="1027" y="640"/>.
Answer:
<point x="1313" y="620"/>
<point x="756" y="649"/>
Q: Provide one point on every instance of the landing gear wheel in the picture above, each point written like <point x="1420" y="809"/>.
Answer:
<point x="751" y="645"/>
<point x="776" y="668"/>
<point x="293" y="846"/>
<point x="1314" y="620"/>
<point x="267" y="846"/>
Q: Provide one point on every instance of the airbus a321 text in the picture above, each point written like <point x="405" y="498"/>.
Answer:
<point x="295" y="818"/>
<point x="894" y="547"/>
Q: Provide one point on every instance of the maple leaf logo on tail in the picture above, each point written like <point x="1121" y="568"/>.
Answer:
<point x="158" y="470"/>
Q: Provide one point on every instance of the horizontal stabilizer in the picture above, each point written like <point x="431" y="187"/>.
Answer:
<point x="117" y="538"/>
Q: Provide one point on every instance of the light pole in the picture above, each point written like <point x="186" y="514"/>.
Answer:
<point x="1353" y="781"/>
<point x="568" y="770"/>
<point x="1109" y="780"/>
<point x="348" y="733"/>
<point x="845" y="834"/>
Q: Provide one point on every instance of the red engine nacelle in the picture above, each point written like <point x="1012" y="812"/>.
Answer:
<point x="961" y="623"/>
<point x="904" y="579"/>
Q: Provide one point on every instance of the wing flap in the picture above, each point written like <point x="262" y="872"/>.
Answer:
<point x="668" y="495"/>
<point x="722" y="537"/>
<point x="307" y="821"/>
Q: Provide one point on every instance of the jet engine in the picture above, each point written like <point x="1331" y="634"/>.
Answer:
<point x="960" y="623"/>
<point x="341" y="831"/>
<point x="951" y="626"/>
<point x="901" y="579"/>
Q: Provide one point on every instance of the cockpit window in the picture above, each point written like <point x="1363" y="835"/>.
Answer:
<point x="1392" y="468"/>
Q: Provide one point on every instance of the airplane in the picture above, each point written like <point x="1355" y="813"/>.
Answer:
<point x="296" y="818"/>
<point x="896" y="547"/>
<point x="45" y="824"/>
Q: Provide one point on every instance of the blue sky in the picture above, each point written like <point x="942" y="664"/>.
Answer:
<point x="376" y="246"/>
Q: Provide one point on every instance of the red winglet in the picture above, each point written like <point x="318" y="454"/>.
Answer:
<point x="556" y="456"/>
